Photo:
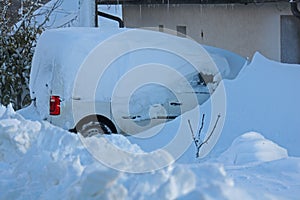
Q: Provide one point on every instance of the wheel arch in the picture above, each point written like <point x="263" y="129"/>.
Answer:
<point x="95" y="117"/>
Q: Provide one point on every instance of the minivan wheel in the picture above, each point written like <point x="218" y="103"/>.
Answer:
<point x="94" y="128"/>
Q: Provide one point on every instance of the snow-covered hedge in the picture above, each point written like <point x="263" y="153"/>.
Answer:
<point x="17" y="43"/>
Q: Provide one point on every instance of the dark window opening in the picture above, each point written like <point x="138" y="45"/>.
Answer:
<point x="290" y="39"/>
<point x="161" y="28"/>
<point x="181" y="31"/>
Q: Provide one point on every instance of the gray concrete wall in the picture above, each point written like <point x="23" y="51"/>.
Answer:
<point x="243" y="29"/>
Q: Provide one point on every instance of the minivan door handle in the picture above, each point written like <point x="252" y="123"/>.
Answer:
<point x="76" y="98"/>
<point x="175" y="103"/>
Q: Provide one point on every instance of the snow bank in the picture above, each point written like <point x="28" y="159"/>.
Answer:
<point x="40" y="161"/>
<point x="252" y="147"/>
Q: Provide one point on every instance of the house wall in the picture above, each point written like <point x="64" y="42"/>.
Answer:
<point x="243" y="29"/>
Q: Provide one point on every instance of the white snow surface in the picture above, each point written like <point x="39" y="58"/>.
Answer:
<point x="40" y="161"/>
<point x="256" y="157"/>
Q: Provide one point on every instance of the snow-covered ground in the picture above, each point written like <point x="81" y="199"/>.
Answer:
<point x="256" y="157"/>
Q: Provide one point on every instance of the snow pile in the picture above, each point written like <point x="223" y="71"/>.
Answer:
<point x="177" y="182"/>
<point x="39" y="161"/>
<point x="252" y="147"/>
<point x="262" y="168"/>
<point x="34" y="156"/>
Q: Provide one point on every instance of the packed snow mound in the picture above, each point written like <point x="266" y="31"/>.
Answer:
<point x="176" y="182"/>
<point x="252" y="147"/>
<point x="39" y="161"/>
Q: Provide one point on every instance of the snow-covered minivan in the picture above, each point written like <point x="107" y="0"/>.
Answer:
<point x="93" y="81"/>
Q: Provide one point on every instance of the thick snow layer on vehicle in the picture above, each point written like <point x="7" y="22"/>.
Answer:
<point x="60" y="52"/>
<point x="62" y="57"/>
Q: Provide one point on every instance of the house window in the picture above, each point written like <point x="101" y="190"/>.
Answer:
<point x="161" y="28"/>
<point x="181" y="31"/>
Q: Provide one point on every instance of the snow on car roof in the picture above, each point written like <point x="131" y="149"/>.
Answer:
<point x="62" y="51"/>
<point x="67" y="47"/>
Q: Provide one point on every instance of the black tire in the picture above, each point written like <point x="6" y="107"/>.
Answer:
<point x="94" y="128"/>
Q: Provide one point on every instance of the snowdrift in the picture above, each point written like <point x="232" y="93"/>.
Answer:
<point x="40" y="161"/>
<point x="264" y="98"/>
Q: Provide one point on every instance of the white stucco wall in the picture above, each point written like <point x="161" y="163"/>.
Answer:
<point x="243" y="29"/>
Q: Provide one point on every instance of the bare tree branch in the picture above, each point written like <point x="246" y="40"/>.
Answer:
<point x="212" y="131"/>
<point x="193" y="135"/>
<point x="49" y="12"/>
<point x="197" y="141"/>
<point x="202" y="124"/>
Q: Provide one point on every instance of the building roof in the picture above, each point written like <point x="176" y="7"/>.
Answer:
<point x="141" y="2"/>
